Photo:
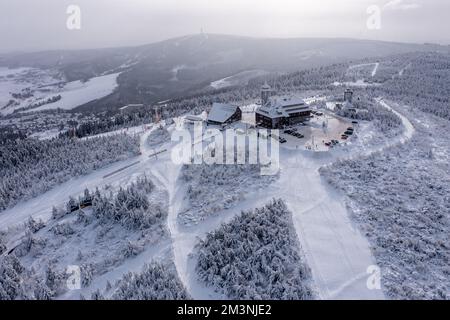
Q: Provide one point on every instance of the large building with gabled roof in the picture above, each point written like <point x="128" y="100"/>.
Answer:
<point x="224" y="113"/>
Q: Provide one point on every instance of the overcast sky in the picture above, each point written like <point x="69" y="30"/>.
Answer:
<point x="29" y="25"/>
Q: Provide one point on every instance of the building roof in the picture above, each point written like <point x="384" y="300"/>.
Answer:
<point x="266" y="86"/>
<point x="283" y="106"/>
<point x="193" y="118"/>
<point x="221" y="112"/>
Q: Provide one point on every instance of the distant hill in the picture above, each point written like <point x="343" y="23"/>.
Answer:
<point x="179" y="66"/>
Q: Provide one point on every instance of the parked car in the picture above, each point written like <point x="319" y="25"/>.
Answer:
<point x="282" y="140"/>
<point x="344" y="137"/>
<point x="355" y="122"/>
<point x="348" y="132"/>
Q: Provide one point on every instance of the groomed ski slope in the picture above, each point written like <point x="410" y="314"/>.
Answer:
<point x="336" y="251"/>
<point x="374" y="64"/>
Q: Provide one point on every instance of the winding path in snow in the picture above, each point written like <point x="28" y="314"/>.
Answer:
<point x="337" y="253"/>
<point x="374" y="64"/>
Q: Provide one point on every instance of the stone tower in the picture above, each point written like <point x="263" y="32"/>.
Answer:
<point x="266" y="92"/>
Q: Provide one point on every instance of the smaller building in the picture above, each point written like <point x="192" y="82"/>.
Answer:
<point x="224" y="113"/>
<point x="281" y="111"/>
<point x="190" y="119"/>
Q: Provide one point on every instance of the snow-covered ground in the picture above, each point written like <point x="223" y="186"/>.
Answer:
<point x="337" y="253"/>
<point x="374" y="70"/>
<point x="399" y="200"/>
<point x="77" y="93"/>
<point x="361" y="83"/>
<point x="335" y="249"/>
<point x="19" y="79"/>
<point x="358" y="83"/>
<point x="130" y="130"/>
<point x="37" y="86"/>
<point x="48" y="134"/>
<point x="240" y="78"/>
<point x="40" y="207"/>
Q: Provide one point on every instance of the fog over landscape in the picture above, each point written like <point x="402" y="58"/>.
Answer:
<point x="27" y="25"/>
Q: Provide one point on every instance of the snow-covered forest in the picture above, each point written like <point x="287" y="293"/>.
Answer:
<point x="155" y="282"/>
<point x="256" y="256"/>
<point x="30" y="167"/>
<point x="212" y="188"/>
<point x="129" y="238"/>
<point x="315" y="79"/>
<point x="130" y="206"/>
<point x="17" y="283"/>
<point x="421" y="82"/>
<point x="158" y="136"/>
<point x="105" y="123"/>
<point x="385" y="121"/>
<point x="400" y="200"/>
<point x="417" y="79"/>
<point x="118" y="227"/>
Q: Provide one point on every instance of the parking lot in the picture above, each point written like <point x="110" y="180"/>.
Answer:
<point x="322" y="132"/>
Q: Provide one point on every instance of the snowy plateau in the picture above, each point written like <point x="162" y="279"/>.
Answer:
<point x="92" y="205"/>
<point x="34" y="89"/>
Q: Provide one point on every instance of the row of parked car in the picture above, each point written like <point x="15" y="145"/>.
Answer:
<point x="293" y="132"/>
<point x="344" y="136"/>
<point x="332" y="143"/>
<point x="347" y="133"/>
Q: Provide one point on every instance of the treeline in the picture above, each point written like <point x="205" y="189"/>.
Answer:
<point x="39" y="104"/>
<point x="108" y="123"/>
<point x="31" y="167"/>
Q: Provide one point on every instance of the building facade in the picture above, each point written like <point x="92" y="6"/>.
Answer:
<point x="223" y="113"/>
<point x="282" y="111"/>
